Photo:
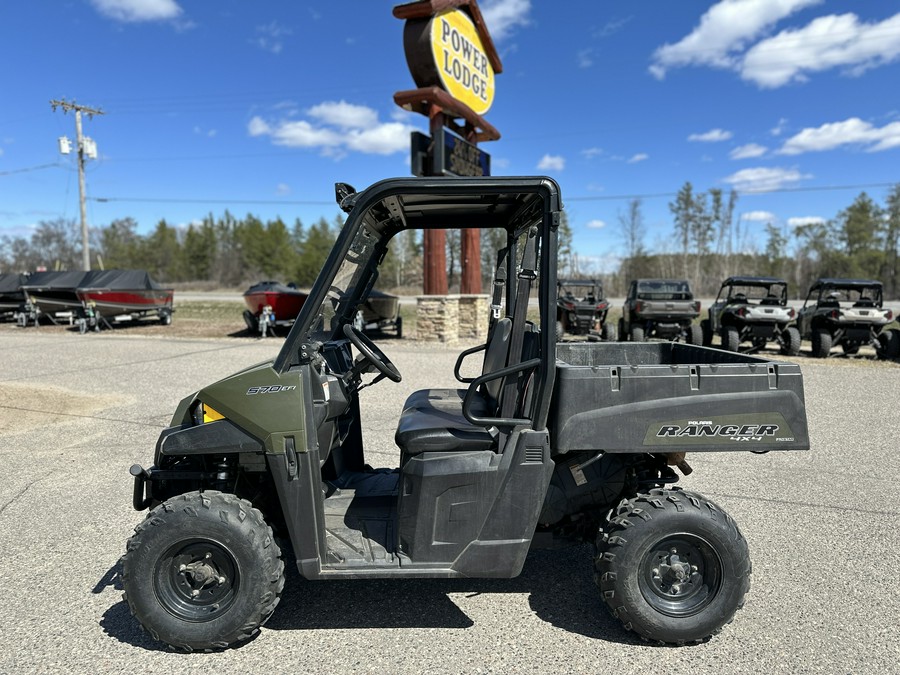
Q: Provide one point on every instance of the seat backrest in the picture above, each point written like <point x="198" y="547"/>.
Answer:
<point x="496" y="354"/>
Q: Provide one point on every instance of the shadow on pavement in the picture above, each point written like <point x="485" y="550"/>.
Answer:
<point x="559" y="585"/>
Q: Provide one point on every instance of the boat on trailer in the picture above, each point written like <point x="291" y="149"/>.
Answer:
<point x="270" y="304"/>
<point x="53" y="295"/>
<point x="12" y="297"/>
<point x="123" y="295"/>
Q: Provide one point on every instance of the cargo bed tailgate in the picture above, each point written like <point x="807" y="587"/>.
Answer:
<point x="670" y="397"/>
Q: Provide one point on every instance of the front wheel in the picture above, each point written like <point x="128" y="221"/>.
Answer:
<point x="637" y="334"/>
<point x="202" y="571"/>
<point x="672" y="566"/>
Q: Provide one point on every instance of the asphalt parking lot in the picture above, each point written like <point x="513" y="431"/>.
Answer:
<point x="77" y="411"/>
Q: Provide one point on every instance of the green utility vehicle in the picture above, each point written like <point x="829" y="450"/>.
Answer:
<point x="552" y="442"/>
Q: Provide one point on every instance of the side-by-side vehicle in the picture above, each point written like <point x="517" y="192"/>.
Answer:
<point x="553" y="441"/>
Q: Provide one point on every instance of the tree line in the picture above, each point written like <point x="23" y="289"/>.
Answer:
<point x="707" y="245"/>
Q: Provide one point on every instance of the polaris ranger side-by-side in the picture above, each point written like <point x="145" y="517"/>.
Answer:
<point x="845" y="312"/>
<point x="661" y="308"/>
<point x="570" y="441"/>
<point x="754" y="310"/>
<point x="581" y="309"/>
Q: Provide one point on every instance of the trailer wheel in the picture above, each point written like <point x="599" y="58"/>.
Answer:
<point x="637" y="333"/>
<point x="202" y="571"/>
<point x="821" y="343"/>
<point x="399" y="326"/>
<point x="251" y="321"/>
<point x="165" y="318"/>
<point x="731" y="339"/>
<point x="672" y="566"/>
<point x="695" y="335"/>
<point x="707" y="333"/>
<point x="790" y="341"/>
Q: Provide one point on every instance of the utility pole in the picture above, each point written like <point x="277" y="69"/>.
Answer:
<point x="91" y="152"/>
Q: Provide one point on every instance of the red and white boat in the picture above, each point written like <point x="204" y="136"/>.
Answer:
<point x="271" y="303"/>
<point x="118" y="295"/>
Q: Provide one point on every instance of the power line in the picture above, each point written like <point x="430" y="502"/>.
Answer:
<point x="175" y="200"/>
<point x="29" y="168"/>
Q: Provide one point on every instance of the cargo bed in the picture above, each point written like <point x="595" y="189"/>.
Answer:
<point x="672" y="397"/>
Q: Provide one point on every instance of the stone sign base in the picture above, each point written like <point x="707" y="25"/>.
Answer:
<point x="447" y="318"/>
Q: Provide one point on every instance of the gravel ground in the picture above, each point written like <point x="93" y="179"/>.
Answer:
<point x="76" y="411"/>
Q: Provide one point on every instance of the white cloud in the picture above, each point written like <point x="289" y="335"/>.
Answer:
<point x="590" y="153"/>
<point x="585" y="58"/>
<point x="337" y="128"/>
<point x="805" y="220"/>
<point x="382" y="139"/>
<point x="834" y="41"/>
<point x="853" y="131"/>
<point x="764" y="179"/>
<point x="748" y="151"/>
<point x="502" y="17"/>
<point x="270" y="37"/>
<point x="595" y="224"/>
<point x="639" y="157"/>
<point x="759" y="216"/>
<point x="500" y="163"/>
<point x="282" y="189"/>
<point x="723" y="32"/>
<point x="711" y="136"/>
<point x="344" y="115"/>
<point x="552" y="163"/>
<point x="134" y="11"/>
<point x="779" y="128"/>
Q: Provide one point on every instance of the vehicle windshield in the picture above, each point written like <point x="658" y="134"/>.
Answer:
<point x="580" y="291"/>
<point x="350" y="285"/>
<point x="664" y="290"/>
<point x="856" y="296"/>
<point x="757" y="293"/>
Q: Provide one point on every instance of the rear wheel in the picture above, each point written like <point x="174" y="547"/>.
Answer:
<point x="821" y="343"/>
<point x="731" y="339"/>
<point x="637" y="334"/>
<point x="707" y="333"/>
<point x="202" y="571"/>
<point x="251" y="321"/>
<point x="790" y="341"/>
<point x="695" y="335"/>
<point x="672" y="566"/>
<point x="622" y="334"/>
<point x="608" y="332"/>
<point x="889" y="344"/>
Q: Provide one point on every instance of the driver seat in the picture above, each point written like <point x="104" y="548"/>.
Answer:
<point x="432" y="419"/>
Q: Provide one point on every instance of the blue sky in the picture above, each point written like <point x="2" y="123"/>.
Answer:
<point x="260" y="107"/>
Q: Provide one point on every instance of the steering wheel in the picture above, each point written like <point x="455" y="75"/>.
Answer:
<point x="372" y="353"/>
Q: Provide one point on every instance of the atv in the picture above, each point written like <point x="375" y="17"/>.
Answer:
<point x="661" y="308"/>
<point x="551" y="443"/>
<point x="845" y="312"/>
<point x="581" y="309"/>
<point x="754" y="310"/>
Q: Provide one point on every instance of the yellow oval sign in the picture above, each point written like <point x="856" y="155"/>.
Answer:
<point x="462" y="65"/>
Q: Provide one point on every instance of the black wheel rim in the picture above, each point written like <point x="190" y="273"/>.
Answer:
<point x="196" y="580"/>
<point x="681" y="575"/>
